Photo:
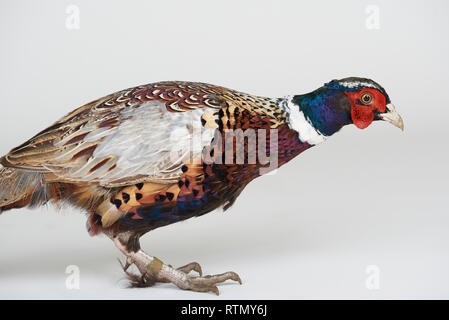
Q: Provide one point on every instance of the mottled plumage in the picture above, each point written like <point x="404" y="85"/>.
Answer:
<point x="153" y="155"/>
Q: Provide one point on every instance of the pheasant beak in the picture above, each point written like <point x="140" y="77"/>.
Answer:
<point x="392" y="117"/>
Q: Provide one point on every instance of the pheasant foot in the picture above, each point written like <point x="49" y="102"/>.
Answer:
<point x="153" y="270"/>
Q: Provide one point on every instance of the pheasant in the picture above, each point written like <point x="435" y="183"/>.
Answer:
<point x="153" y="155"/>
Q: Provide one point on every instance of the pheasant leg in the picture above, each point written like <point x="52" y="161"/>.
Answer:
<point x="154" y="270"/>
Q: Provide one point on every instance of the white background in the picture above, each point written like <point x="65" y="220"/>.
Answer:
<point x="372" y="197"/>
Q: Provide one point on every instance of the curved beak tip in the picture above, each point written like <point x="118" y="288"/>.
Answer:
<point x="401" y="125"/>
<point x="393" y="117"/>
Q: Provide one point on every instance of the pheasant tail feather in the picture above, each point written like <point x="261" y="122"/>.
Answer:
<point x="19" y="188"/>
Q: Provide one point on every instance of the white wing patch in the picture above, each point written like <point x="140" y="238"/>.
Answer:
<point x="149" y="141"/>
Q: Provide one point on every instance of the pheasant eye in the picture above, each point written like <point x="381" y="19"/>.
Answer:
<point x="366" y="98"/>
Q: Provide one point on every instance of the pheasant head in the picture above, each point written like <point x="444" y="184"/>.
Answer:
<point x="357" y="101"/>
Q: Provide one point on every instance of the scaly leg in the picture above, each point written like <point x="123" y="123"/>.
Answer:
<point x="154" y="270"/>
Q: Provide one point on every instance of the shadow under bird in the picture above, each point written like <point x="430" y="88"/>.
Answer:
<point x="156" y="154"/>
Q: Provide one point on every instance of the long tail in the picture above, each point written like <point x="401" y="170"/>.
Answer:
<point x="20" y="188"/>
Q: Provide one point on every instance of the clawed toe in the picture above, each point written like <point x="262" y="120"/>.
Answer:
<point x="208" y="283"/>
<point x="181" y="278"/>
<point x="219" y="278"/>
<point x="126" y="265"/>
<point x="193" y="266"/>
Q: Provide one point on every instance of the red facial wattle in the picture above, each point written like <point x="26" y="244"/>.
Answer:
<point x="363" y="115"/>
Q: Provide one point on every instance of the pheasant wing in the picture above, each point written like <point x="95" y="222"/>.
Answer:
<point x="140" y="134"/>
